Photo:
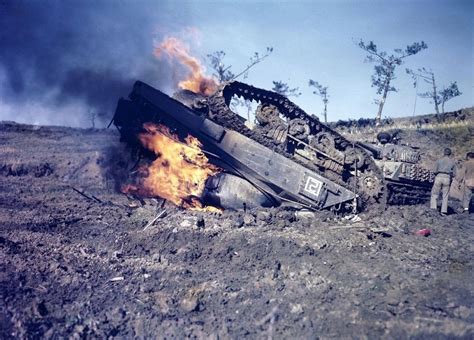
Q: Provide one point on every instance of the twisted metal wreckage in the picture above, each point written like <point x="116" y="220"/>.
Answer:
<point x="288" y="158"/>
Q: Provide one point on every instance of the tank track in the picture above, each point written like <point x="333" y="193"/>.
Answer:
<point x="338" y="159"/>
<point x="407" y="194"/>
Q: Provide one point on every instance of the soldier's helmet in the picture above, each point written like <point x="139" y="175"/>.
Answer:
<point x="447" y="152"/>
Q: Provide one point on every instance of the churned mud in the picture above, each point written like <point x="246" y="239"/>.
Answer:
<point x="80" y="259"/>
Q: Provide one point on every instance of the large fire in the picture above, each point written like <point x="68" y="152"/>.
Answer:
<point x="180" y="170"/>
<point x="196" y="80"/>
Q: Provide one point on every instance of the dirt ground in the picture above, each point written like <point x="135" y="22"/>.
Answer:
<point x="76" y="266"/>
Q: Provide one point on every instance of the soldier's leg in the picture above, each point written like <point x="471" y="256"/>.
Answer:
<point x="466" y="197"/>
<point x="435" y="193"/>
<point x="445" y="192"/>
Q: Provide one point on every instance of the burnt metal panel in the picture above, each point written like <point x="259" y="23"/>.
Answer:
<point x="213" y="130"/>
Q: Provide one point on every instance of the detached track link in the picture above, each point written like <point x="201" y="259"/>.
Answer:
<point x="220" y="112"/>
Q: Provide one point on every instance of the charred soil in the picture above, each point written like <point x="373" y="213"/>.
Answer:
<point x="80" y="259"/>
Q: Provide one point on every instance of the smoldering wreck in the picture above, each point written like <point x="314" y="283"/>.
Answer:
<point x="199" y="225"/>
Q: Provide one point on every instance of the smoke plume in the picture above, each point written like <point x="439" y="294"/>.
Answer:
<point x="61" y="61"/>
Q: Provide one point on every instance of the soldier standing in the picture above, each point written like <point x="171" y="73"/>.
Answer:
<point x="444" y="170"/>
<point x="467" y="180"/>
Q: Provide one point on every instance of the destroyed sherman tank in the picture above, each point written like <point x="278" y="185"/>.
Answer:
<point x="407" y="181"/>
<point x="288" y="158"/>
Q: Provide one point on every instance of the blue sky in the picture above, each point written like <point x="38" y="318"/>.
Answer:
<point x="61" y="60"/>
<point x="315" y="39"/>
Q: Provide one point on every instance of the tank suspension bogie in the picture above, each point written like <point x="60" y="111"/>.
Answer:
<point x="289" y="130"/>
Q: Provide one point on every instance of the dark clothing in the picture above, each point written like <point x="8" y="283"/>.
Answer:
<point x="445" y="165"/>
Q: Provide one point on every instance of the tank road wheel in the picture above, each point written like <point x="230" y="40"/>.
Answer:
<point x="354" y="157"/>
<point x="330" y="155"/>
<point x="267" y="114"/>
<point x="299" y="128"/>
<point x="323" y="141"/>
<point x="369" y="184"/>
<point x="372" y="191"/>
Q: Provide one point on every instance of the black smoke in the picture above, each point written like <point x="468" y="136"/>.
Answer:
<point x="83" y="53"/>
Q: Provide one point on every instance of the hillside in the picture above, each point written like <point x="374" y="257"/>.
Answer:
<point x="431" y="133"/>
<point x="80" y="259"/>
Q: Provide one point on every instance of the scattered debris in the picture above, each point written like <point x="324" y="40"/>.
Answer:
<point x="270" y="318"/>
<point x="200" y="222"/>
<point x="185" y="224"/>
<point x="189" y="304"/>
<point x="423" y="232"/>
<point x="161" y="214"/>
<point x="330" y="283"/>
<point x="133" y="205"/>
<point x="117" y="278"/>
<point x="305" y="214"/>
<point x="353" y="218"/>
<point x="384" y="232"/>
<point x="91" y="197"/>
<point x="249" y="219"/>
<point x="348" y="226"/>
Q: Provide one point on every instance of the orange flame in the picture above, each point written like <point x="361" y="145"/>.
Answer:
<point x="196" y="81"/>
<point x="180" y="170"/>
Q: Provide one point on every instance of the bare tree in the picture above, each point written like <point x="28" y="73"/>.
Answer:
<point x="321" y="91"/>
<point x="254" y="60"/>
<point x="449" y="93"/>
<point x="223" y="72"/>
<point x="438" y="98"/>
<point x="429" y="77"/>
<point x="283" y="89"/>
<point x="384" y="70"/>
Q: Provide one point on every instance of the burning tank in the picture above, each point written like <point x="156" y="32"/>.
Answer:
<point x="289" y="158"/>
<point x="407" y="181"/>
